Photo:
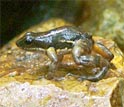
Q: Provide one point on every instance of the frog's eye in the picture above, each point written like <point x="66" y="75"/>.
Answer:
<point x="29" y="40"/>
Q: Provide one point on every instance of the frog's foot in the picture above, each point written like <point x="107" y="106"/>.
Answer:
<point x="96" y="77"/>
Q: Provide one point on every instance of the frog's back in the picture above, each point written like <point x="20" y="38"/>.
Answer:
<point x="69" y="33"/>
<point x="59" y="38"/>
<point x="65" y="37"/>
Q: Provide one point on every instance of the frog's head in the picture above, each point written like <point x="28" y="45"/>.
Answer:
<point x="27" y="42"/>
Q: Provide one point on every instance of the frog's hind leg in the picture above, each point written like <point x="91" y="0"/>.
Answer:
<point x="98" y="63"/>
<point x="96" y="77"/>
<point x="102" y="50"/>
<point x="81" y="47"/>
<point x="93" y="78"/>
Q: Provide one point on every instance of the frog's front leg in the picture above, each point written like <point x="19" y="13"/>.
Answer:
<point x="51" y="53"/>
<point x="55" y="57"/>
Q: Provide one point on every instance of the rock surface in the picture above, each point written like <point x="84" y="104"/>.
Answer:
<point x="23" y="94"/>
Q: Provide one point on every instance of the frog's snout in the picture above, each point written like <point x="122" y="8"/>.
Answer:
<point x="20" y="42"/>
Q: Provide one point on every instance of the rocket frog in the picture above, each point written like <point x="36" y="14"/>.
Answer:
<point x="57" y="42"/>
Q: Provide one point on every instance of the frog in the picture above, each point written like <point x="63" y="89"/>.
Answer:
<point x="63" y="40"/>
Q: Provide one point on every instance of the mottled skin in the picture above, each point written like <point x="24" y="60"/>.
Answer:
<point x="60" y="41"/>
